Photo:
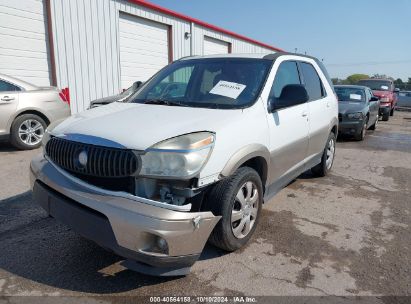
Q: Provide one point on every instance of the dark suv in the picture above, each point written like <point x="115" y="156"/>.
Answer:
<point x="385" y="90"/>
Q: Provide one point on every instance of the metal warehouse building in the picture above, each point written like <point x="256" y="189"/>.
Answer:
<point x="97" y="48"/>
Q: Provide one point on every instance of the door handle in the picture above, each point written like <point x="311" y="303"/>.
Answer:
<point x="304" y="114"/>
<point x="7" y="98"/>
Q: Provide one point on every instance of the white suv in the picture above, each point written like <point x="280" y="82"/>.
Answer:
<point x="190" y="157"/>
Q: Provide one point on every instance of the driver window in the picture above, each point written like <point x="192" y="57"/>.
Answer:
<point x="287" y="73"/>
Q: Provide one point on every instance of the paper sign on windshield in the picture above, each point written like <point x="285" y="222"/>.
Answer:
<point x="228" y="89"/>
<point x="355" y="96"/>
<point x="384" y="87"/>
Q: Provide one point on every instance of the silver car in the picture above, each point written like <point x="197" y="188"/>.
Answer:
<point x="26" y="110"/>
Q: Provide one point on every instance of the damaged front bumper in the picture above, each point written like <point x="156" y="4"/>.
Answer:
<point x="128" y="225"/>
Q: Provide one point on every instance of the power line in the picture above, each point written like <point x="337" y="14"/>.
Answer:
<point x="336" y="65"/>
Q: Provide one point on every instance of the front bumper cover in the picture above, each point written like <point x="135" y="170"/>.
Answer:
<point x="127" y="227"/>
<point x="384" y="109"/>
<point x="350" y="127"/>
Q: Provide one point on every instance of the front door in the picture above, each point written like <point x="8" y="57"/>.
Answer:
<point x="288" y="128"/>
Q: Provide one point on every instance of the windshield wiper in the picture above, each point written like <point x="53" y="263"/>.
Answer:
<point x="164" y="102"/>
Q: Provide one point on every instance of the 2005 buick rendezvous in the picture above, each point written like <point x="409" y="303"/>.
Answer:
<point x="154" y="178"/>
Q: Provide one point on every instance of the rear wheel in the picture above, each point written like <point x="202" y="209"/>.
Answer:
<point x="327" y="158"/>
<point x="27" y="131"/>
<point x="238" y="200"/>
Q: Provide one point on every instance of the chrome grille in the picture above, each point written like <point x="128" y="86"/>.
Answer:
<point x="92" y="160"/>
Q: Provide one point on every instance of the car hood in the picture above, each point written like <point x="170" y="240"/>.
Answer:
<point x="139" y="126"/>
<point x="346" y="107"/>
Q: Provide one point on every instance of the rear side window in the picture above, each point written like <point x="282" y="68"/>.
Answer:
<point x="7" y="87"/>
<point x="287" y="73"/>
<point x="312" y="81"/>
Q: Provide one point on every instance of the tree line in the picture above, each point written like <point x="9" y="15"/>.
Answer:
<point x="353" y="79"/>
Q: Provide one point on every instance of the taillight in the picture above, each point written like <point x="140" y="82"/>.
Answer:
<point x="65" y="95"/>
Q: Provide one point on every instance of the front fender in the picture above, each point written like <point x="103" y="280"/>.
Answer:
<point x="243" y="155"/>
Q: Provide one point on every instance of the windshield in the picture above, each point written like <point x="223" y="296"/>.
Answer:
<point x="225" y="83"/>
<point x="376" y="85"/>
<point x="350" y="94"/>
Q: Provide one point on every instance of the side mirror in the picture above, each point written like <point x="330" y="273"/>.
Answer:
<point x="137" y="85"/>
<point x="374" y="98"/>
<point x="291" y="95"/>
<point x="396" y="90"/>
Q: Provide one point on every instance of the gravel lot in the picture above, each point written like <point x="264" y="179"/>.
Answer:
<point x="346" y="234"/>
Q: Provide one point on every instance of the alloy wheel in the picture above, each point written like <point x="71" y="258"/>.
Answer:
<point x="31" y="132"/>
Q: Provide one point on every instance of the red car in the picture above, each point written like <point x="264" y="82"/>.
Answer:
<point x="385" y="90"/>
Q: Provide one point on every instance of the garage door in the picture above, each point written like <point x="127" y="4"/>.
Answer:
<point x="214" y="46"/>
<point x="143" y="49"/>
<point x="23" y="46"/>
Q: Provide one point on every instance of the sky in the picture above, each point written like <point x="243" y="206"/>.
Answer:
<point x="351" y="36"/>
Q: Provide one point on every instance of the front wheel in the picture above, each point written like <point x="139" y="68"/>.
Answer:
<point x="238" y="200"/>
<point x="327" y="159"/>
<point x="361" y="133"/>
<point x="392" y="112"/>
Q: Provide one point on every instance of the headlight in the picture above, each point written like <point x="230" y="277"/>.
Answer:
<point x="385" y="99"/>
<point x="355" y="116"/>
<point x="182" y="156"/>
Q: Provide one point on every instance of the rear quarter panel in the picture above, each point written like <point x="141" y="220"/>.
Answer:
<point x="45" y="102"/>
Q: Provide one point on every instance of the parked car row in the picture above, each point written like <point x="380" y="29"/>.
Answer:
<point x="361" y="106"/>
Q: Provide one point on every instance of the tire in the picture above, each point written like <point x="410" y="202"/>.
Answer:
<point x="386" y="117"/>
<point x="327" y="159"/>
<point x="27" y="131"/>
<point x="392" y="112"/>
<point x="361" y="134"/>
<point x="374" y="126"/>
<point x="223" y="201"/>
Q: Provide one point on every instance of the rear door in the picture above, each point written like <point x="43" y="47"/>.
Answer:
<point x="9" y="98"/>
<point x="320" y="107"/>
<point x="288" y="126"/>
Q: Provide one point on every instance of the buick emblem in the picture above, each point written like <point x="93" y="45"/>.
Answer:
<point x="82" y="158"/>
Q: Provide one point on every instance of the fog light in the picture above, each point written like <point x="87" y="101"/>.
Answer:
<point x="162" y="245"/>
<point x="158" y="246"/>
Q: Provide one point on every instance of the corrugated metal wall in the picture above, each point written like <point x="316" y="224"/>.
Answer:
<point x="23" y="41"/>
<point x="86" y="45"/>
